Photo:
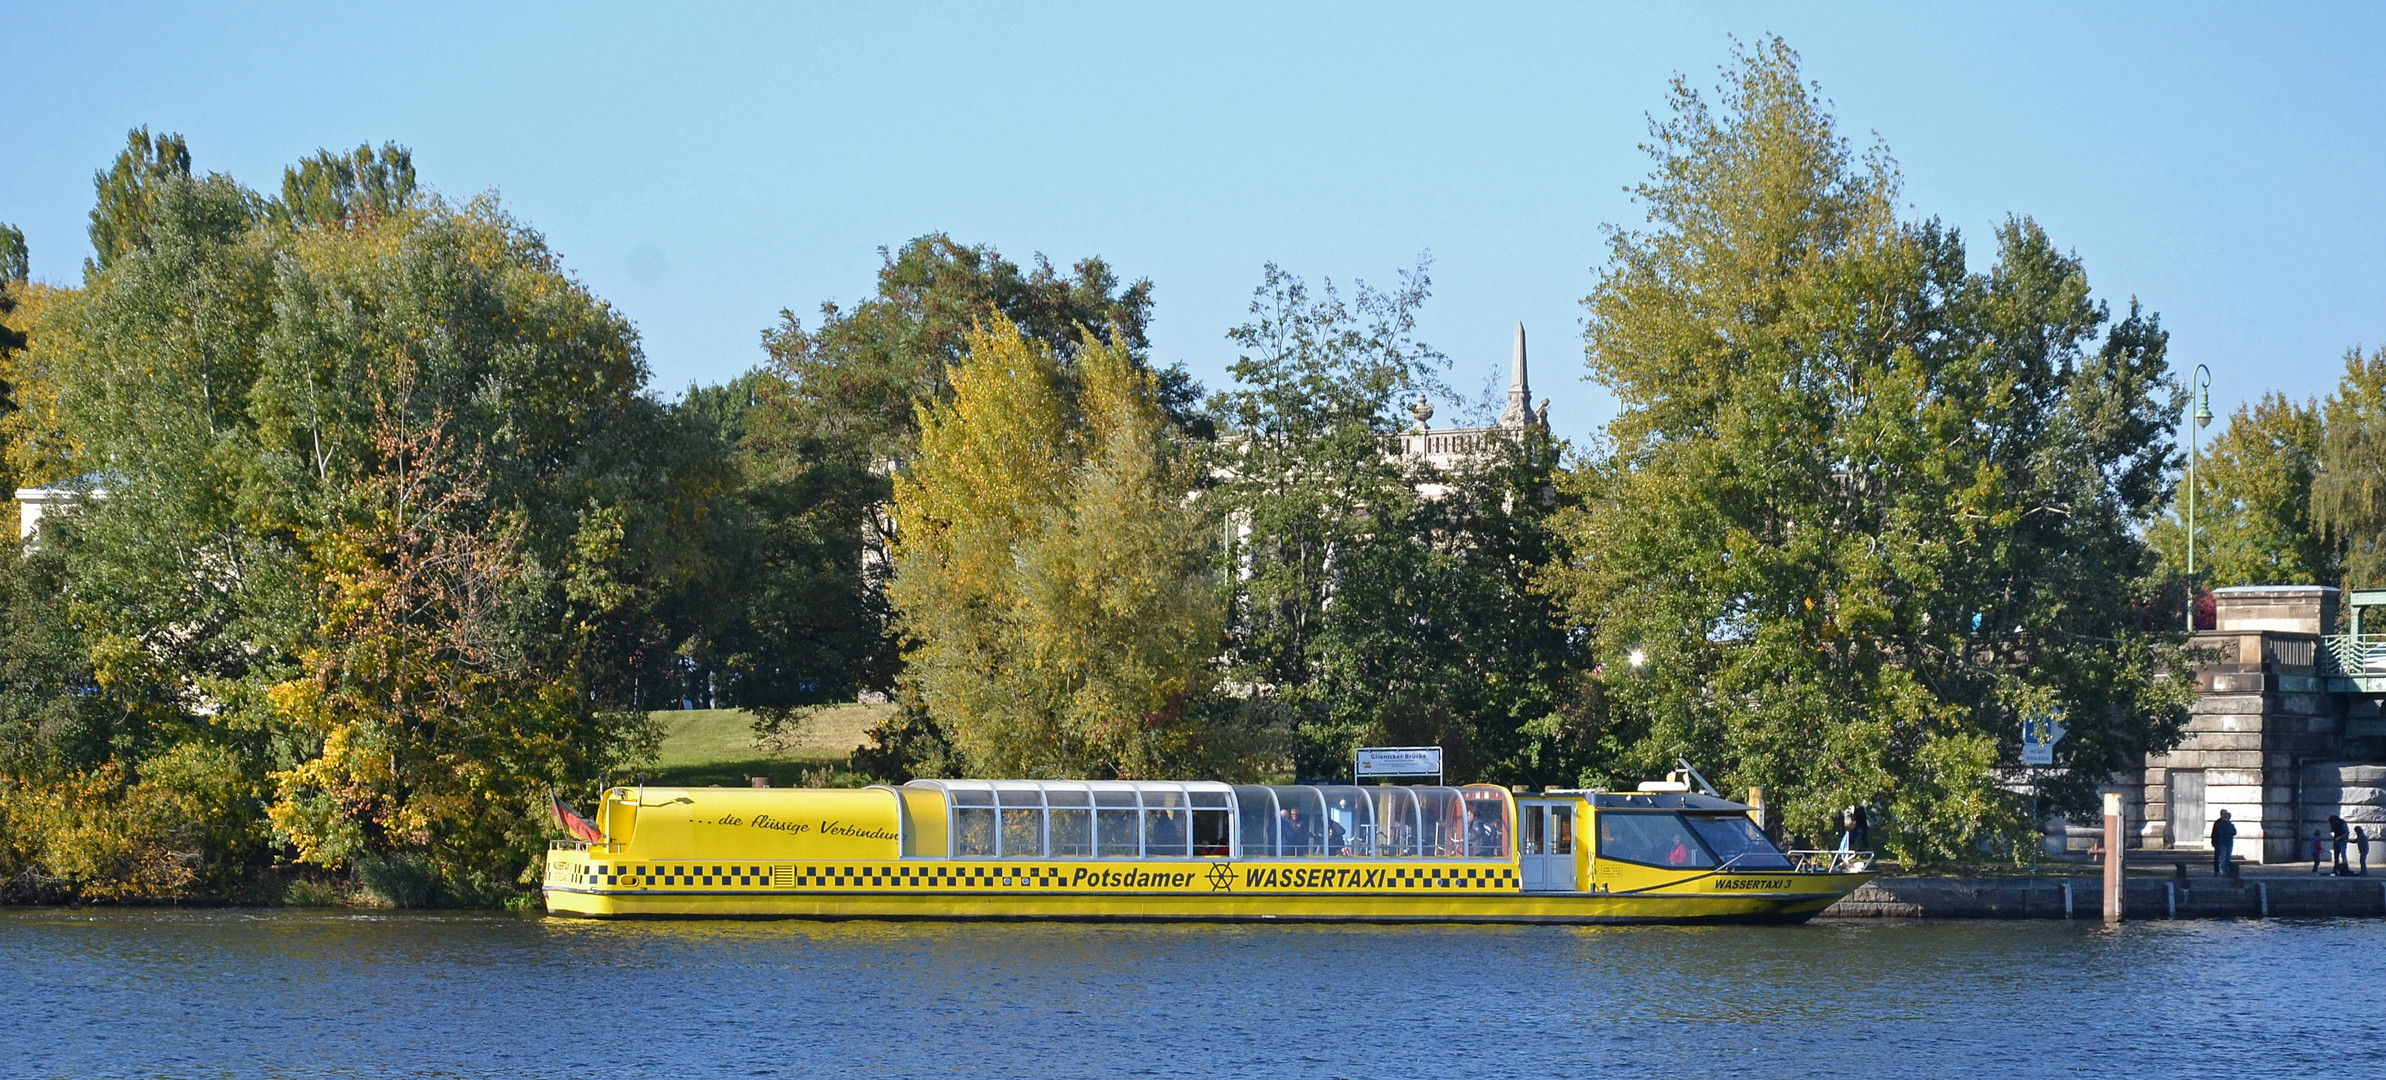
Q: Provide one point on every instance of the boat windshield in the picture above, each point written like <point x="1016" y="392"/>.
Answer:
<point x="1738" y="842"/>
<point x="1129" y="819"/>
<point x="1687" y="841"/>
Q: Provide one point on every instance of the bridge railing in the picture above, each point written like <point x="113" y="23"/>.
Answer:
<point x="2349" y="654"/>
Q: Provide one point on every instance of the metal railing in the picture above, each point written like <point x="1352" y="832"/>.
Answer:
<point x="1829" y="862"/>
<point x="2349" y="654"/>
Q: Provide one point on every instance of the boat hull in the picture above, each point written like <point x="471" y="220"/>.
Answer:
<point x="1189" y="891"/>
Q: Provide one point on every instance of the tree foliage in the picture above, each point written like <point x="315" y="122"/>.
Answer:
<point x="2348" y="490"/>
<point x="390" y="541"/>
<point x="1861" y="508"/>
<point x="1377" y="598"/>
<point x="1053" y="582"/>
<point x="832" y="415"/>
<point x="2253" y="502"/>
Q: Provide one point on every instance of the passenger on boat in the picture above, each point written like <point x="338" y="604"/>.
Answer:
<point x="1168" y="834"/>
<point x="1335" y="837"/>
<point x="1679" y="854"/>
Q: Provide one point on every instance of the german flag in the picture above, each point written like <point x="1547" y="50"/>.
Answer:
<point x="572" y="822"/>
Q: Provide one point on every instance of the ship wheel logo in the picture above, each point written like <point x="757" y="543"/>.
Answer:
<point x="1221" y="877"/>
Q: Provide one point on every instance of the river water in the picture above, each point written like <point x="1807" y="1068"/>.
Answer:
<point x="99" y="993"/>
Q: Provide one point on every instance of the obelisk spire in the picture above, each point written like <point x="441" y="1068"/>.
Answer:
<point x="1519" y="412"/>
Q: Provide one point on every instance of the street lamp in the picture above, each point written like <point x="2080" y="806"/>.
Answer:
<point x="2203" y="418"/>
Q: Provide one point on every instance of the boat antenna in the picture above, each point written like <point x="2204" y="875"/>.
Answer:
<point x="1702" y="781"/>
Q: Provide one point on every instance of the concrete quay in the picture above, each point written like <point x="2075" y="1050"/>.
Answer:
<point x="2274" y="895"/>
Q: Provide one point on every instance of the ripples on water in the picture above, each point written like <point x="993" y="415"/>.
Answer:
<point x="307" y="993"/>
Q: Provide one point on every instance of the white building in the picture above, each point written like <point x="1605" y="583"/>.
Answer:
<point x="1450" y="448"/>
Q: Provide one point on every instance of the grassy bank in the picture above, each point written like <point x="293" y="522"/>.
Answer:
<point x="704" y="747"/>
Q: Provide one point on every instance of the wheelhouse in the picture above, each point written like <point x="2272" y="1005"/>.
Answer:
<point x="1156" y="819"/>
<point x="1681" y="831"/>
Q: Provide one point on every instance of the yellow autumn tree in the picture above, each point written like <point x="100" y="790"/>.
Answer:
<point x="1059" y="612"/>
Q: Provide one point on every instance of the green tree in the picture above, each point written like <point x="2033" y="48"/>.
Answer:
<point x="13" y="272"/>
<point x="235" y="377"/>
<point x="129" y="190"/>
<point x="833" y="415"/>
<point x="1861" y="509"/>
<point x="1052" y="580"/>
<point x="2253" y="502"/>
<point x="15" y="262"/>
<point x="1376" y="597"/>
<point x="331" y="188"/>
<point x="2348" y="492"/>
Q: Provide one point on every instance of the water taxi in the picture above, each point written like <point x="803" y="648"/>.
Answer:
<point x="1115" y="850"/>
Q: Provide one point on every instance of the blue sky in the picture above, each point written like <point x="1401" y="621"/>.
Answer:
<point x="704" y="168"/>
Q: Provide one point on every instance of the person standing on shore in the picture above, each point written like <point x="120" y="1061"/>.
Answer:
<point x="2317" y="851"/>
<point x="2361" y="847"/>
<point x="2224" y="844"/>
<point x="2338" y="835"/>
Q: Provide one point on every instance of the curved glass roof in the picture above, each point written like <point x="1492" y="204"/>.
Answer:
<point x="1206" y="819"/>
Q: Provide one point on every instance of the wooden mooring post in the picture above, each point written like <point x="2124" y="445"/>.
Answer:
<point x="2114" y="857"/>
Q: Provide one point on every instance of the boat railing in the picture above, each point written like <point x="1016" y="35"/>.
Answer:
<point x="599" y="847"/>
<point x="1837" y="861"/>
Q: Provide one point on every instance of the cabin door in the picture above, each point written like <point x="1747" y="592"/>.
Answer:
<point x="1545" y="834"/>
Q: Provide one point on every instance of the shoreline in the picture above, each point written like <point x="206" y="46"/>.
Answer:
<point x="2253" y="895"/>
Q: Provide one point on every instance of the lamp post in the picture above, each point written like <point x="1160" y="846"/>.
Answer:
<point x="2203" y="417"/>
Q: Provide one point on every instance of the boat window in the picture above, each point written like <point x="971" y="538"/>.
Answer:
<point x="1739" y="843"/>
<point x="1125" y="819"/>
<point x="1164" y="833"/>
<point x="1255" y="813"/>
<point x="1300" y="822"/>
<point x="1395" y="823"/>
<point x="973" y="829"/>
<point x="1022" y="819"/>
<point x="1213" y="832"/>
<point x="1441" y="828"/>
<point x="1350" y="821"/>
<point x="1654" y="839"/>
<point x="1561" y="830"/>
<point x="1118" y="836"/>
<point x="1023" y="833"/>
<point x="1486" y="822"/>
<point x="1072" y="832"/>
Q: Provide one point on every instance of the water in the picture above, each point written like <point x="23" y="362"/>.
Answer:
<point x="313" y="993"/>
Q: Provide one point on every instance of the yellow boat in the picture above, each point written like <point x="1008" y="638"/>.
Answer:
<point x="1117" y="850"/>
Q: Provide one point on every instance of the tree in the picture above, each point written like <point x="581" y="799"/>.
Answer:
<point x="1052" y="581"/>
<point x="257" y="598"/>
<point x="2253" y="502"/>
<point x="433" y="699"/>
<point x="1862" y="509"/>
<point x="129" y="190"/>
<point x="336" y="189"/>
<point x="2348" y="490"/>
<point x="1377" y="598"/>
<point x="833" y="415"/>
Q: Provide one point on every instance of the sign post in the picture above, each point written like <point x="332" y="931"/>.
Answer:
<point x="1396" y="761"/>
<point x="2040" y="731"/>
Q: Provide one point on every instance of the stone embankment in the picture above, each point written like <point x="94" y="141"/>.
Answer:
<point x="2248" y="897"/>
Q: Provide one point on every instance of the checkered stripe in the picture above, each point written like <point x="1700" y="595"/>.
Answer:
<point x="645" y="875"/>
<point x="939" y="876"/>
<point x="932" y="876"/>
<point x="821" y="876"/>
<point x="1417" y="877"/>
